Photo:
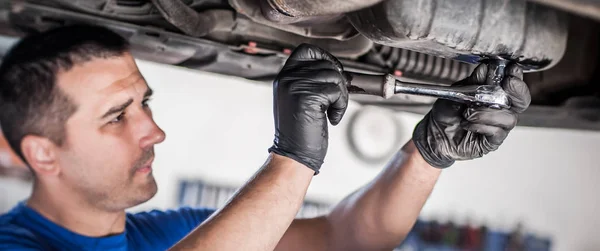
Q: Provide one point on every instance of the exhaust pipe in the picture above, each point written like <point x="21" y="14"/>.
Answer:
<point x="292" y="11"/>
<point x="195" y="24"/>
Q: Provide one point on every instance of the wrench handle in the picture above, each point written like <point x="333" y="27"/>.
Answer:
<point x="386" y="85"/>
<point x="382" y="85"/>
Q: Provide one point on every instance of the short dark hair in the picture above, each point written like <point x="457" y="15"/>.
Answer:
<point x="30" y="101"/>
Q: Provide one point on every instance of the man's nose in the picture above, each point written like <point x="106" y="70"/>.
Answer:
<point x="151" y="133"/>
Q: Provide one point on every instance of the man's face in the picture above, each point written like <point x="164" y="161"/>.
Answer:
<point x="109" y="146"/>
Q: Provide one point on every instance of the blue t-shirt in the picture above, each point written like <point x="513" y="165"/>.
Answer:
<point x="25" y="229"/>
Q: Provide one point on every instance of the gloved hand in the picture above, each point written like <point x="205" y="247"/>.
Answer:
<point x="310" y="85"/>
<point x="453" y="131"/>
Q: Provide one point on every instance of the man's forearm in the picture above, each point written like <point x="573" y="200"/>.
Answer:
<point x="259" y="214"/>
<point x="380" y="215"/>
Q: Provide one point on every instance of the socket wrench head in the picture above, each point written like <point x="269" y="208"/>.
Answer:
<point x="491" y="96"/>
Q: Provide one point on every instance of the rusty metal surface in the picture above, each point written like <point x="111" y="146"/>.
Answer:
<point x="335" y="27"/>
<point x="468" y="30"/>
<point x="588" y="8"/>
<point x="295" y="8"/>
<point x="192" y="22"/>
<point x="418" y="65"/>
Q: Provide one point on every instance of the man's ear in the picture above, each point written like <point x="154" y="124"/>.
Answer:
<point x="40" y="153"/>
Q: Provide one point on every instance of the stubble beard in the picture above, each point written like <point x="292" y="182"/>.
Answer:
<point x="135" y="191"/>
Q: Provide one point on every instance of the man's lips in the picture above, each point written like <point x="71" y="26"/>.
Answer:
<point x="146" y="168"/>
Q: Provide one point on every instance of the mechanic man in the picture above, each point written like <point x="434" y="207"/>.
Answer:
<point x="74" y="106"/>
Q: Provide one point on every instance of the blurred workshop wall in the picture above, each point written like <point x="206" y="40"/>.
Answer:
<point x="218" y="131"/>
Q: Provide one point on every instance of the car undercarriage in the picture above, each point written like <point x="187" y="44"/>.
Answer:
<point x="430" y="41"/>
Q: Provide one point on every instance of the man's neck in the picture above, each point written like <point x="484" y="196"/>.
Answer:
<point x="74" y="213"/>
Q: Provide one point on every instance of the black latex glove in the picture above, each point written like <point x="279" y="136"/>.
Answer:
<point x="309" y="89"/>
<point x="453" y="131"/>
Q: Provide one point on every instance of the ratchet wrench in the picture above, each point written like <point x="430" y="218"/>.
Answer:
<point x="386" y="85"/>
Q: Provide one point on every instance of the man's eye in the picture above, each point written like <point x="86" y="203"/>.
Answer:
<point x="117" y="119"/>
<point x="145" y="102"/>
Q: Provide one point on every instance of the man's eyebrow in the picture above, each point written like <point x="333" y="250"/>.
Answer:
<point x="148" y="93"/>
<point x="117" y="109"/>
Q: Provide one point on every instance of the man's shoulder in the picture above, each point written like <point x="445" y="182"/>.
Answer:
<point x="165" y="228"/>
<point x="16" y="237"/>
<point x="180" y="215"/>
<point x="180" y="221"/>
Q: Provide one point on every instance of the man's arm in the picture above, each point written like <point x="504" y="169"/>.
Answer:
<point x="258" y="215"/>
<point x="379" y="216"/>
<point x="376" y="217"/>
<point x="309" y="90"/>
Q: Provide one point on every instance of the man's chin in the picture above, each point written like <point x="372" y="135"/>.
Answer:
<point x="146" y="191"/>
<point x="152" y="188"/>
